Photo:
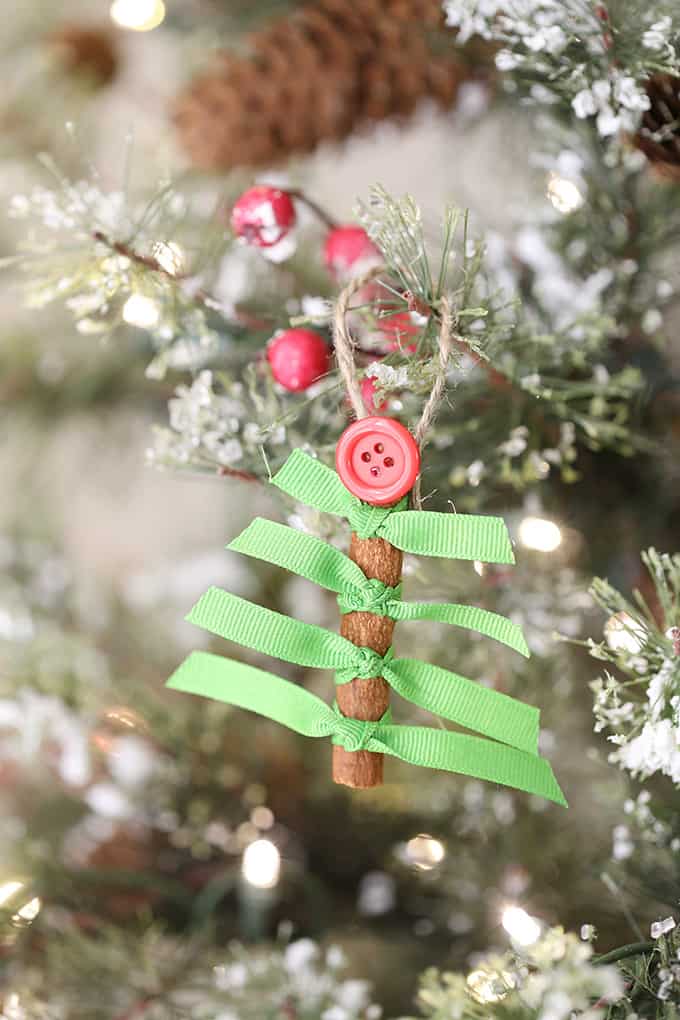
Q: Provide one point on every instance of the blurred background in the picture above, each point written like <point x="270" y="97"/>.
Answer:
<point x="164" y="856"/>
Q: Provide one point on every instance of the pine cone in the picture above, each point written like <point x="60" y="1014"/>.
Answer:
<point x="659" y="134"/>
<point x="87" y="50"/>
<point x="315" y="76"/>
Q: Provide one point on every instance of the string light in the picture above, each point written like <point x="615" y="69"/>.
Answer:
<point x="169" y="256"/>
<point x="22" y="913"/>
<point x="624" y="634"/>
<point x="425" y="852"/>
<point x="522" y="928"/>
<point x="563" y="194"/>
<point x="262" y="817"/>
<point x="540" y="534"/>
<point x="261" y="864"/>
<point x="137" y="15"/>
<point x="141" y="311"/>
<point x="8" y="890"/>
<point x="28" y="913"/>
<point x="11" y="1008"/>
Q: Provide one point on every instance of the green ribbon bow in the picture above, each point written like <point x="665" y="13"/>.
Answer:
<point x="326" y="566"/>
<point x="507" y="751"/>
<point x="426" y="533"/>
<point x="430" y="687"/>
<point x="236" y="683"/>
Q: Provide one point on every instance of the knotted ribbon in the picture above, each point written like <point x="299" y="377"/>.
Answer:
<point x="247" y="687"/>
<point x="430" y="687"/>
<point x="426" y="533"/>
<point x="509" y="757"/>
<point x="326" y="566"/>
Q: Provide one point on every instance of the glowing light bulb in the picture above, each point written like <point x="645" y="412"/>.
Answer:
<point x="540" y="534"/>
<point x="169" y="256"/>
<point x="137" y="15"/>
<point x="11" y="1008"/>
<point x="262" y="817"/>
<point x="141" y="311"/>
<point x="563" y="194"/>
<point x="8" y="890"/>
<point x="13" y="898"/>
<point x="28" y="913"/>
<point x="624" y="634"/>
<point x="488" y="985"/>
<point x="520" y="926"/>
<point x="425" y="852"/>
<point x="261" y="865"/>
<point x="479" y="567"/>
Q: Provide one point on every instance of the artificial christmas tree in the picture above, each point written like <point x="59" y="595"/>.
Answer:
<point x="144" y="830"/>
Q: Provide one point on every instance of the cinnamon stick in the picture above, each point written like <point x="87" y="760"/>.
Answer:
<point x="366" y="699"/>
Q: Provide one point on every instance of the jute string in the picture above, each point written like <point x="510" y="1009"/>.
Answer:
<point x="344" y="353"/>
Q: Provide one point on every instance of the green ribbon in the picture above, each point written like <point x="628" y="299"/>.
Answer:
<point x="430" y="687"/>
<point x="509" y="757"/>
<point x="326" y="566"/>
<point x="426" y="533"/>
<point x="247" y="687"/>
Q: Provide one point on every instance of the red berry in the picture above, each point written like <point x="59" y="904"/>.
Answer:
<point x="368" y="389"/>
<point x="263" y="216"/>
<point x="298" y="357"/>
<point x="347" y="248"/>
<point x="399" y="329"/>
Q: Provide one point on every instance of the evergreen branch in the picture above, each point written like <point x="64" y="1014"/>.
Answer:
<point x="625" y="952"/>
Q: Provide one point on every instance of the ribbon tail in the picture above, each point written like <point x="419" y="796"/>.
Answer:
<point x="467" y="703"/>
<point x="271" y="633"/>
<point x="313" y="483"/>
<point x="245" y="686"/>
<point x="300" y="553"/>
<point x="237" y="683"/>
<point x="469" y="756"/>
<point x="491" y="625"/>
<point x="456" y="536"/>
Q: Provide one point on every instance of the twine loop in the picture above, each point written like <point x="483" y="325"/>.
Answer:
<point x="344" y="352"/>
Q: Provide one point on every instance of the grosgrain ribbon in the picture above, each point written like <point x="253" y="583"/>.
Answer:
<point x="328" y="567"/>
<point x="426" y="533"/>
<point x="430" y="687"/>
<point x="247" y="687"/>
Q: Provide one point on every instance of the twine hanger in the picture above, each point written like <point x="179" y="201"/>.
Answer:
<point x="344" y="352"/>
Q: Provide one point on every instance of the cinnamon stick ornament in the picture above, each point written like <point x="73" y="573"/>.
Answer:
<point x="367" y="699"/>
<point x="378" y="461"/>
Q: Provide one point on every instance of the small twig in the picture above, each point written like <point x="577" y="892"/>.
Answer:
<point x="625" y="952"/>
<point x="244" y="476"/>
<point x="318" y="211"/>
<point x="148" y="261"/>
<point x="154" y="266"/>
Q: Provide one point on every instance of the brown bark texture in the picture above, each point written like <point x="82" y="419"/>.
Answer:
<point x="366" y="699"/>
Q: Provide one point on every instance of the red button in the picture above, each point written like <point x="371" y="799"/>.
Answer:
<point x="377" y="460"/>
